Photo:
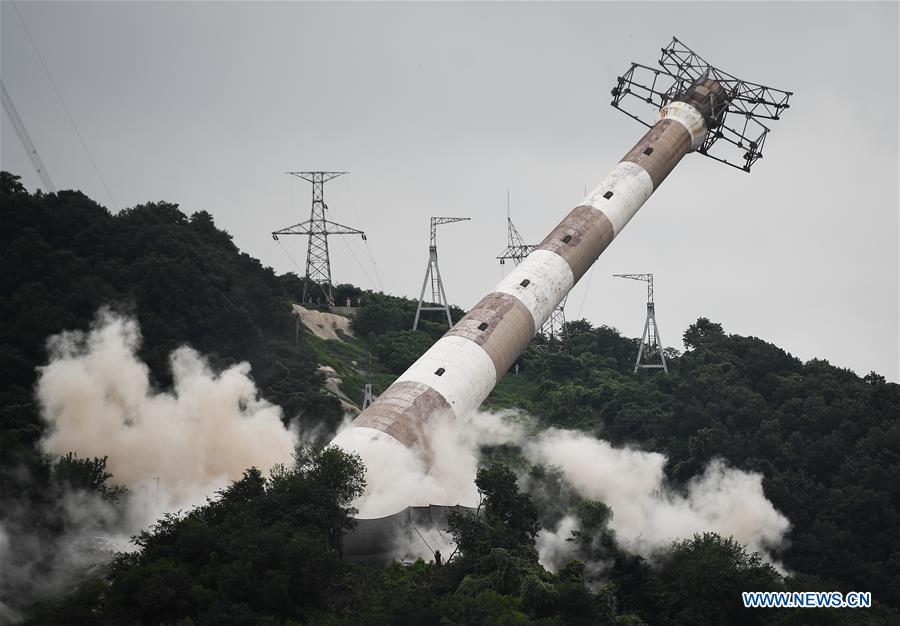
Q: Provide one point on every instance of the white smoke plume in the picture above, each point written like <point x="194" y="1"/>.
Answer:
<point x="647" y="515"/>
<point x="397" y="477"/>
<point x="553" y="546"/>
<point x="172" y="448"/>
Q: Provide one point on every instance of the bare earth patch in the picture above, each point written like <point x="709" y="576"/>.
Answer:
<point x="323" y="325"/>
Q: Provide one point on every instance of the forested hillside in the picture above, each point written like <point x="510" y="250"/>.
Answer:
<point x="267" y="549"/>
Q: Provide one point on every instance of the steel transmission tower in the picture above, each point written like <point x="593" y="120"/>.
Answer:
<point x="317" y="228"/>
<point x="438" y="300"/>
<point x="517" y="250"/>
<point x="651" y="345"/>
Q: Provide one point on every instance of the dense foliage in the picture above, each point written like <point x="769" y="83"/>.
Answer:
<point x="267" y="549"/>
<point x="826" y="441"/>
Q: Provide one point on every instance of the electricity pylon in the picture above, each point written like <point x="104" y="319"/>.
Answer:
<point x="318" y="228"/>
<point x="438" y="300"/>
<point x="651" y="345"/>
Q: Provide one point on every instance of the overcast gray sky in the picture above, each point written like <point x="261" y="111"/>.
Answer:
<point x="438" y="109"/>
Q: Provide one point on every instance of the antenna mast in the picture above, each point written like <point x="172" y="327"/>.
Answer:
<point x="318" y="228"/>
<point x="651" y="345"/>
<point x="438" y="300"/>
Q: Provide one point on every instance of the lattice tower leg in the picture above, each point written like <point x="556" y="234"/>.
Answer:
<point x="368" y="397"/>
<point x="439" y="300"/>
<point x="650" y="344"/>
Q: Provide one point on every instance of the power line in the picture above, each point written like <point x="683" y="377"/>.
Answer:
<point x="299" y="271"/>
<point x="358" y="264"/>
<point x="587" y="289"/>
<point x="65" y="108"/>
<point x="25" y="138"/>
<point x="374" y="266"/>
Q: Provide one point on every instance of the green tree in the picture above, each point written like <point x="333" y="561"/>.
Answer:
<point x="700" y="332"/>
<point x="73" y="473"/>
<point x="704" y="578"/>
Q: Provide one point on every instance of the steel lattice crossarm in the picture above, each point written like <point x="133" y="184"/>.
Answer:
<point x="314" y="177"/>
<point x="437" y="221"/>
<point x="734" y="127"/>
<point x="647" y="278"/>
<point x="307" y="228"/>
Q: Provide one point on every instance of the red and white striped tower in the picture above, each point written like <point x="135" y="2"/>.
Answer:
<point x="459" y="371"/>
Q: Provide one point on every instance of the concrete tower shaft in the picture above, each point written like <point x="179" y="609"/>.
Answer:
<point x="459" y="371"/>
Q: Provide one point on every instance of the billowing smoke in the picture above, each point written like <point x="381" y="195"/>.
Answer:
<point x="397" y="477"/>
<point x="171" y="449"/>
<point x="177" y="446"/>
<point x="647" y="515"/>
<point x="554" y="545"/>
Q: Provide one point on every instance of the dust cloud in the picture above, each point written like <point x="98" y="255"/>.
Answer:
<point x="648" y="514"/>
<point x="173" y="447"/>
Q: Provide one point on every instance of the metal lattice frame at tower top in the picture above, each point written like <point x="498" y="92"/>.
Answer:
<point x="651" y="345"/>
<point x="696" y="106"/>
<point x="516" y="250"/>
<point x="735" y="108"/>
<point x="318" y="228"/>
<point x="438" y="300"/>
